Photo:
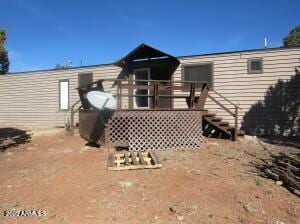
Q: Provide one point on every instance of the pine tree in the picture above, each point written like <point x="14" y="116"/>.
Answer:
<point x="293" y="39"/>
<point x="4" y="61"/>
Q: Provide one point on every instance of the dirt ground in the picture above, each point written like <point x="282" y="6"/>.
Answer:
<point x="68" y="180"/>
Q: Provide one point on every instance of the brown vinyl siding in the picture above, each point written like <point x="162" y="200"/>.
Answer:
<point x="32" y="99"/>
<point x="232" y="80"/>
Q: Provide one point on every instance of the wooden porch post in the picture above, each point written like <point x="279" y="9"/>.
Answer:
<point x="192" y="95"/>
<point x="130" y="91"/>
<point x="155" y="94"/>
<point x="203" y="96"/>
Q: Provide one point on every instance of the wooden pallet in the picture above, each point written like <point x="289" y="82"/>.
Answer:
<point x="132" y="161"/>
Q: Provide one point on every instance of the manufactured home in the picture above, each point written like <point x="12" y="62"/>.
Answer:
<point x="237" y="82"/>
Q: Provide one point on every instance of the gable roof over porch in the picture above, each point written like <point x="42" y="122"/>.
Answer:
<point x="145" y="53"/>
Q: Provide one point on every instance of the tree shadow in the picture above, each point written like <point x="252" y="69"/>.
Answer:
<point x="283" y="141"/>
<point x="11" y="137"/>
<point x="277" y="117"/>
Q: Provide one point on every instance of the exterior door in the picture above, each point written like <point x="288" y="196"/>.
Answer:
<point x="162" y="73"/>
<point x="141" y="102"/>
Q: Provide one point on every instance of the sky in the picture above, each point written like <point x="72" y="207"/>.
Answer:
<point x="41" y="34"/>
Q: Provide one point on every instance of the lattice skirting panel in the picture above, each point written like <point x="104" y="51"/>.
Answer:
<point x="155" y="130"/>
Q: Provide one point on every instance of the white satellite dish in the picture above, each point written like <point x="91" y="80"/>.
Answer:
<point x="101" y="100"/>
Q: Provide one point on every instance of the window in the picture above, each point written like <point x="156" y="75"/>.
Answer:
<point x="63" y="95"/>
<point x="84" y="79"/>
<point x="255" y="65"/>
<point x="199" y="72"/>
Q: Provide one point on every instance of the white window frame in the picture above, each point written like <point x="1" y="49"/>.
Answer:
<point x="64" y="94"/>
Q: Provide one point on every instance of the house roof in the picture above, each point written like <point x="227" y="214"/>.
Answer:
<point x="236" y="52"/>
<point x="178" y="57"/>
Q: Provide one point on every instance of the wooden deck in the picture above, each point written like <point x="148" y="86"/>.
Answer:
<point x="195" y="93"/>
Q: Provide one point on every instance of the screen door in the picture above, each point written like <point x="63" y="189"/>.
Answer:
<point x="141" y="101"/>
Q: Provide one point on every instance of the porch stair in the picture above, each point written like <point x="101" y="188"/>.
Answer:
<point x="215" y="127"/>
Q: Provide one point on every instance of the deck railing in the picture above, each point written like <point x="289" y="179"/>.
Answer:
<point x="194" y="92"/>
<point x="195" y="102"/>
<point x="72" y="114"/>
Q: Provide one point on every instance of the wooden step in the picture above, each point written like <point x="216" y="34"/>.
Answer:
<point x="229" y="128"/>
<point x="223" y="123"/>
<point x="216" y="119"/>
<point x="241" y="133"/>
<point x="216" y="125"/>
<point x="209" y="115"/>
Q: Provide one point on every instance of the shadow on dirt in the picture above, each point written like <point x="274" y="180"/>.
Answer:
<point x="283" y="141"/>
<point x="11" y="137"/>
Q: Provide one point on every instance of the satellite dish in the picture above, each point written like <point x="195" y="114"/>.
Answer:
<point x="101" y="100"/>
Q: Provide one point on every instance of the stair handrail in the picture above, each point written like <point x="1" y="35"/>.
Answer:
<point x="72" y="113"/>
<point x="226" y="99"/>
<point x="235" y="114"/>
